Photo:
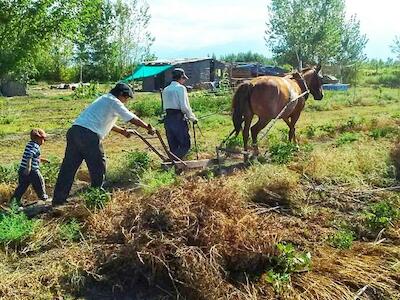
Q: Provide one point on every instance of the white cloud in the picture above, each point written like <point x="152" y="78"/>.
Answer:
<point x="194" y="27"/>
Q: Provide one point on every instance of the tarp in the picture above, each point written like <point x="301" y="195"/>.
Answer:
<point x="147" y="71"/>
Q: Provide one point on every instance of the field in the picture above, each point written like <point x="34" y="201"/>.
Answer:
<point x="318" y="221"/>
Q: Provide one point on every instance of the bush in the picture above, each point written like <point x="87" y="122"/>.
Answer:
<point x="282" y="152"/>
<point x="87" y="91"/>
<point x="96" y="198"/>
<point x="146" y="107"/>
<point x="16" y="228"/>
<point x="70" y="231"/>
<point x="381" y="215"/>
<point x="341" y="239"/>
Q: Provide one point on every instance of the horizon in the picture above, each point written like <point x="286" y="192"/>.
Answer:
<point x="188" y="35"/>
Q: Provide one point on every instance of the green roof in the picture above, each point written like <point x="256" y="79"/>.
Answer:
<point x="143" y="71"/>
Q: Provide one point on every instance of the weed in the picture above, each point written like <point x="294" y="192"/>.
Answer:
<point x="234" y="142"/>
<point x="70" y="231"/>
<point x="310" y="131"/>
<point x="381" y="215"/>
<point x="9" y="173"/>
<point x="341" y="239"/>
<point x="137" y="162"/>
<point x="152" y="180"/>
<point x="86" y="91"/>
<point x="96" y="198"/>
<point x="377" y="133"/>
<point x="282" y="153"/>
<point x="147" y="107"/>
<point x="346" y="138"/>
<point x="287" y="262"/>
<point x="50" y="170"/>
<point x="16" y="228"/>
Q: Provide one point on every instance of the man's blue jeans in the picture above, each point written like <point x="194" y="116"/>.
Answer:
<point x="177" y="130"/>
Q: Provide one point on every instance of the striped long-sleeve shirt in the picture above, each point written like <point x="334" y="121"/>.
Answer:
<point x="32" y="151"/>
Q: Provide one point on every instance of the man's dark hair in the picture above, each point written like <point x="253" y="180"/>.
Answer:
<point x="122" y="89"/>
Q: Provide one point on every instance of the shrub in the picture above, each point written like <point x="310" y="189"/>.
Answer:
<point x="96" y="198"/>
<point x="86" y="91"/>
<point x="16" y="228"/>
<point x="70" y="231"/>
<point x="381" y="215"/>
<point x="282" y="152"/>
<point x="341" y="239"/>
<point x="147" y="107"/>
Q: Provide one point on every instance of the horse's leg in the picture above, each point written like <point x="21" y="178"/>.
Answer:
<point x="291" y="129"/>
<point x="293" y="120"/>
<point x="246" y="130"/>
<point x="255" y="129"/>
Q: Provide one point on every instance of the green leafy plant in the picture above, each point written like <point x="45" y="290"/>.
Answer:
<point x="50" y="170"/>
<point x="381" y="215"/>
<point x="287" y="262"/>
<point x="96" y="198"/>
<point x="9" y="173"/>
<point x="377" y="133"/>
<point x="310" y="131"/>
<point x="86" y="91"/>
<point x="70" y="231"/>
<point x="15" y="227"/>
<point x="341" y="239"/>
<point x="282" y="152"/>
<point x="234" y="142"/>
<point x="346" y="138"/>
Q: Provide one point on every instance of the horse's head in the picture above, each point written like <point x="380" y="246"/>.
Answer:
<point x="314" y="81"/>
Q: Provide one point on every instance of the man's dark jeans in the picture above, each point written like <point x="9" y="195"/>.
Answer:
<point x="82" y="144"/>
<point x="36" y="179"/>
<point x="177" y="130"/>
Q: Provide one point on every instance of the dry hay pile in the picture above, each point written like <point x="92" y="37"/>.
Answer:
<point x="204" y="240"/>
<point x="395" y="155"/>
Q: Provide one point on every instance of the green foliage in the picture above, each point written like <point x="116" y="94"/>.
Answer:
<point x="341" y="239"/>
<point x="346" y="138"/>
<point x="282" y="153"/>
<point x="16" y="228"/>
<point x="87" y="91"/>
<point x="9" y="173"/>
<point x="70" y="231"/>
<point x="395" y="47"/>
<point x="152" y="180"/>
<point x="147" y="107"/>
<point x="50" y="170"/>
<point x="137" y="162"/>
<point x="381" y="215"/>
<point x="96" y="198"/>
<point x="377" y="133"/>
<point x="288" y="261"/>
<point x="310" y="131"/>
<point x="234" y="142"/>
<point x="249" y="57"/>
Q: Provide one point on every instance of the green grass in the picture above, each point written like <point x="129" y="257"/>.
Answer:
<point x="70" y="231"/>
<point x="16" y="228"/>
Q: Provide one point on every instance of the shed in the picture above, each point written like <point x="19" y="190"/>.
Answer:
<point x="157" y="75"/>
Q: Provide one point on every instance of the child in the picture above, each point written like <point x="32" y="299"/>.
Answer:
<point x="29" y="172"/>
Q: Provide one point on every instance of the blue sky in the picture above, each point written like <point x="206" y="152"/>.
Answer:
<point x="194" y="28"/>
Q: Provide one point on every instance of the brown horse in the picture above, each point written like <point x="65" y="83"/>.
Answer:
<point x="266" y="96"/>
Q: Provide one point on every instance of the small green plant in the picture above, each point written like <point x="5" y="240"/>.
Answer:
<point x="310" y="131"/>
<point x="15" y="227"/>
<point x="137" y="162"/>
<point x="50" y="170"/>
<point x="96" y="198"/>
<point x="9" y="173"/>
<point x="347" y="138"/>
<point x="234" y="142"/>
<point x="70" y="231"/>
<point x="86" y="91"/>
<point x="377" y="133"/>
<point x="287" y="262"/>
<point x="282" y="153"/>
<point x="152" y="180"/>
<point x="381" y="215"/>
<point x="341" y="239"/>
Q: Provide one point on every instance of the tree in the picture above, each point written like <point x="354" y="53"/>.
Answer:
<point x="25" y="27"/>
<point x="396" y="47"/>
<point x="132" y="37"/>
<point x="305" y="30"/>
<point x="350" y="54"/>
<point x="247" y="57"/>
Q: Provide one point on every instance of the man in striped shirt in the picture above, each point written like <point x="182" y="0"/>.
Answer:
<point x="29" y="171"/>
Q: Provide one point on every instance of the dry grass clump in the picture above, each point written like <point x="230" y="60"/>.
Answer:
<point x="6" y="191"/>
<point x="200" y="238"/>
<point x="47" y="275"/>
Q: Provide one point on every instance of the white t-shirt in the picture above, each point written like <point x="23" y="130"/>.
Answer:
<point x="175" y="97"/>
<point x="101" y="116"/>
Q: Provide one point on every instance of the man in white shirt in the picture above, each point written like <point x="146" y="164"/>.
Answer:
<point x="177" y="107"/>
<point x="84" y="139"/>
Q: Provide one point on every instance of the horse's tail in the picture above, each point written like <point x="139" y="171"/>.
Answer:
<point x="241" y="102"/>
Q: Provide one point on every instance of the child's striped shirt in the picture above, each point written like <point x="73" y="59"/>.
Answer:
<point x="32" y="151"/>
